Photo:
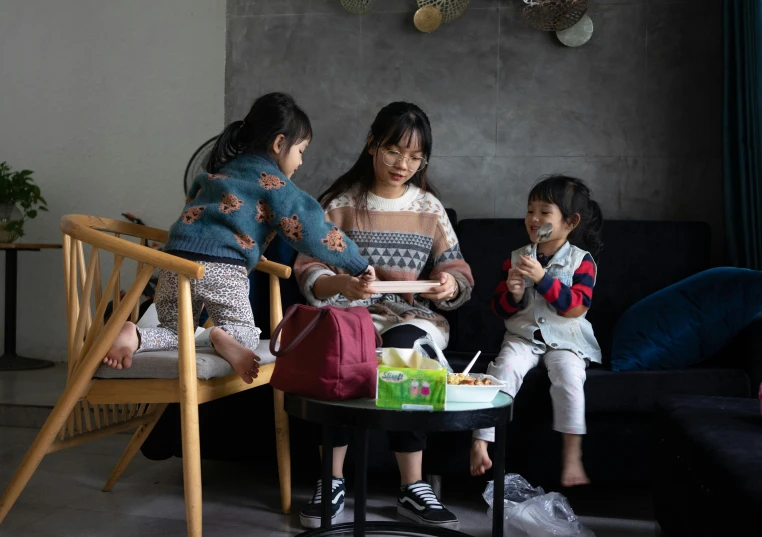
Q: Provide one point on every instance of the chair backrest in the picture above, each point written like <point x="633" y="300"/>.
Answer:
<point x="86" y="299"/>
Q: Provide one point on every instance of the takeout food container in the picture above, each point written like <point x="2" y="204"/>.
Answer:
<point x="463" y="393"/>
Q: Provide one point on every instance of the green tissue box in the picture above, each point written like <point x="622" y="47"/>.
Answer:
<point x="411" y="389"/>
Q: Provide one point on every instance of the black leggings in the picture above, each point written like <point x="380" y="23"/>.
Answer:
<point x="402" y="337"/>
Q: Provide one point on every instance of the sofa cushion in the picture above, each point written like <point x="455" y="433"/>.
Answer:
<point x="163" y="364"/>
<point x="629" y="391"/>
<point x="687" y="322"/>
<point x="625" y="272"/>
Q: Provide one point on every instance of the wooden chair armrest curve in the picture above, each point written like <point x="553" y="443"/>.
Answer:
<point x="276" y="269"/>
<point x="77" y="226"/>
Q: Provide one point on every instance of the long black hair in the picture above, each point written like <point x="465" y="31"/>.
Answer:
<point x="396" y="124"/>
<point x="572" y="195"/>
<point x="270" y="115"/>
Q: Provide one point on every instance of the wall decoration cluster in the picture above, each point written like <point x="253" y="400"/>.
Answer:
<point x="430" y="15"/>
<point x="567" y="18"/>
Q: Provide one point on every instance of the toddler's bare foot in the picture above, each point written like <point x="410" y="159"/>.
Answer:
<point x="245" y="362"/>
<point x="480" y="461"/>
<point x="573" y="474"/>
<point x="119" y="356"/>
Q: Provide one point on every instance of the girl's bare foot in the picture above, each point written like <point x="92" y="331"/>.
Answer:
<point x="119" y="356"/>
<point x="480" y="461"/>
<point x="245" y="362"/>
<point x="573" y="474"/>
<point x="573" y="471"/>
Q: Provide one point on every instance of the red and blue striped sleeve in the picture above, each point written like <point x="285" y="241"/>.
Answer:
<point x="503" y="303"/>
<point x="571" y="301"/>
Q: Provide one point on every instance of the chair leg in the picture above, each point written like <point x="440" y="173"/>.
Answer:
<point x="191" y="468"/>
<point x="189" y="409"/>
<point x="132" y="448"/>
<point x="283" y="445"/>
<point x="37" y="451"/>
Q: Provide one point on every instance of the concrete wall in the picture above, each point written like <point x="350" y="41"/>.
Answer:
<point x="636" y="111"/>
<point x="105" y="101"/>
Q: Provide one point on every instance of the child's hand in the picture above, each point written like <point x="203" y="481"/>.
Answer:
<point x="531" y="268"/>
<point x="369" y="275"/>
<point x="355" y="288"/>
<point x="516" y="284"/>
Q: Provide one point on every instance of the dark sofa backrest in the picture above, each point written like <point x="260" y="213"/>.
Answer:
<point x="639" y="258"/>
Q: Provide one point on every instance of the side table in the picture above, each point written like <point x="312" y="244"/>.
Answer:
<point x="363" y="415"/>
<point x="10" y="361"/>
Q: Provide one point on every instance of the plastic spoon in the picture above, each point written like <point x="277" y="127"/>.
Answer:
<point x="471" y="364"/>
<point x="543" y="234"/>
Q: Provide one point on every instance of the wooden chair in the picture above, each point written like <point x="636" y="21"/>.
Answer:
<point x="93" y="406"/>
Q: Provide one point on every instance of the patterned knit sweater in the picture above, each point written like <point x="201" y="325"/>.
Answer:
<point x="235" y="213"/>
<point x="407" y="238"/>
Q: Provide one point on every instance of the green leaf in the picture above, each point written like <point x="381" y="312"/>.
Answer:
<point x="32" y="214"/>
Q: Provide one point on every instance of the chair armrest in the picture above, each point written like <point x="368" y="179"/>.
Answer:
<point x="276" y="269"/>
<point x="76" y="226"/>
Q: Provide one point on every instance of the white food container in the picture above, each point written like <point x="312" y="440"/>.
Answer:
<point x="457" y="393"/>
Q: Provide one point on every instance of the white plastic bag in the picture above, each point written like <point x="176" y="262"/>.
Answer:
<point x="439" y="357"/>
<point x="530" y="512"/>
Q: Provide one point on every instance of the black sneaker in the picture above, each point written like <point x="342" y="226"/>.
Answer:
<point x="312" y="513"/>
<point x="418" y="502"/>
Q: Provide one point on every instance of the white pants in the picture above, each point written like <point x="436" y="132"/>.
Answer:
<point x="567" y="376"/>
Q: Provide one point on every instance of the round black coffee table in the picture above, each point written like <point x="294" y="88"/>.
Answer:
<point x="363" y="415"/>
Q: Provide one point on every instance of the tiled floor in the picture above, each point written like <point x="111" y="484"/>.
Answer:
<point x="64" y="499"/>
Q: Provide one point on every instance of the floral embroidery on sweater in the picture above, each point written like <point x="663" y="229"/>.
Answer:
<point x="245" y="241"/>
<point x="192" y="214"/>
<point x="269" y="182"/>
<point x="334" y="240"/>
<point x="264" y="212"/>
<point x="292" y="227"/>
<point x="230" y="203"/>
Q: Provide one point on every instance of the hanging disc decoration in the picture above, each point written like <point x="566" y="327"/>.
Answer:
<point x="450" y="9"/>
<point x="358" y="7"/>
<point x="553" y="15"/>
<point x="427" y="19"/>
<point x="577" y="35"/>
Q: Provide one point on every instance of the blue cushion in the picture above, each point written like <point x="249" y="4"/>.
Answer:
<point x="687" y="322"/>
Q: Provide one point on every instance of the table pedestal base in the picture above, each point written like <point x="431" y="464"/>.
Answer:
<point x="384" y="528"/>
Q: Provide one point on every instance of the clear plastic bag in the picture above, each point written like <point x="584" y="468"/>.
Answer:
<point x="439" y="357"/>
<point x="517" y="489"/>
<point x="530" y="512"/>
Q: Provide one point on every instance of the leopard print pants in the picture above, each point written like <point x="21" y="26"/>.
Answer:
<point x="224" y="291"/>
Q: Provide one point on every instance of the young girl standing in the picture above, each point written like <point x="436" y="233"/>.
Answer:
<point x="388" y="206"/>
<point x="232" y="212"/>
<point x="544" y="302"/>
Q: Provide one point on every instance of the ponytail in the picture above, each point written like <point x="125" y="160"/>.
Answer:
<point x="226" y="148"/>
<point x="591" y="228"/>
<point x="270" y="115"/>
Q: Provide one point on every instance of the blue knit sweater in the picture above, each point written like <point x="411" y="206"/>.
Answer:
<point x="235" y="213"/>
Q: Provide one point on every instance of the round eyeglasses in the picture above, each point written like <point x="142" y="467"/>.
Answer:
<point x="392" y="157"/>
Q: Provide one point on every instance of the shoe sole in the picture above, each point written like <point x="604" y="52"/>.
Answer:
<point x="423" y="522"/>
<point x="314" y="522"/>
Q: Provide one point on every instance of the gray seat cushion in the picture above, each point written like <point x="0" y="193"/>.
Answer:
<point x="163" y="364"/>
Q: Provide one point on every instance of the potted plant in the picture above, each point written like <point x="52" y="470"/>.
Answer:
<point x="17" y="189"/>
